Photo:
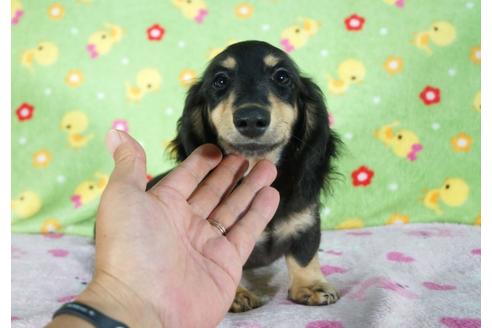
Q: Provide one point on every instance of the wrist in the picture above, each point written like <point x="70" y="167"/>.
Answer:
<point x="116" y="300"/>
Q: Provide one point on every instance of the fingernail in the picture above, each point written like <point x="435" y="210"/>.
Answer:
<point x="113" y="140"/>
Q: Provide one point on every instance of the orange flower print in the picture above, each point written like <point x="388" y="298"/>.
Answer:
<point x="398" y="219"/>
<point x="50" y="226"/>
<point x="244" y="10"/>
<point x="475" y="55"/>
<point x="74" y="78"/>
<point x="461" y="142"/>
<point x="41" y="159"/>
<point x="393" y="65"/>
<point x="56" y="11"/>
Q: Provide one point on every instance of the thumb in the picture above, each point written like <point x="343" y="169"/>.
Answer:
<point x="129" y="159"/>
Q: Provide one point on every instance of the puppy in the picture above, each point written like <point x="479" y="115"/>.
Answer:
<point x="252" y="100"/>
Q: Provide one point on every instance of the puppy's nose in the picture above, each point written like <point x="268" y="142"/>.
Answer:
<point x="251" y="122"/>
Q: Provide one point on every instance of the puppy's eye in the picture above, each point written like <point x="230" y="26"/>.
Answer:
<point x="281" y="76"/>
<point x="220" y="81"/>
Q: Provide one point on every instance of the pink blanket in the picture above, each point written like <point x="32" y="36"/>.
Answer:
<point x="425" y="275"/>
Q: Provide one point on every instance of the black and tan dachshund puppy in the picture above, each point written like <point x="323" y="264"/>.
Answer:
<point x="252" y="100"/>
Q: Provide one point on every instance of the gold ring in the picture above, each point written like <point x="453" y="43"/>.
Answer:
<point x="218" y="226"/>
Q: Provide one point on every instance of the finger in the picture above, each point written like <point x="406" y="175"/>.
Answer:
<point x="245" y="232"/>
<point x="129" y="158"/>
<point x="239" y="200"/>
<point x="218" y="184"/>
<point x="186" y="177"/>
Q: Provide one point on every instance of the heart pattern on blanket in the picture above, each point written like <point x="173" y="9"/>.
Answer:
<point x="68" y="298"/>
<point x="435" y="286"/>
<point x="57" y="252"/>
<point x="460" y="323"/>
<point x="476" y="251"/>
<point x="332" y="252"/>
<point x="399" y="257"/>
<point x="324" y="324"/>
<point x="245" y="324"/>
<point x="328" y="269"/>
<point x="359" y="233"/>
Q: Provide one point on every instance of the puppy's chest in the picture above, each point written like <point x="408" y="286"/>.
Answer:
<point x="287" y="227"/>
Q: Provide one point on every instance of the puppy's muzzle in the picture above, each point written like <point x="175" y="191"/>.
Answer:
<point x="252" y="121"/>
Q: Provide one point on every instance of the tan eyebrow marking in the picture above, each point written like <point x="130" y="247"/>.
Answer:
<point x="229" y="63"/>
<point x="271" y="60"/>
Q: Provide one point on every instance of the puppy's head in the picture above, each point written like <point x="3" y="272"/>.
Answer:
<point x="251" y="100"/>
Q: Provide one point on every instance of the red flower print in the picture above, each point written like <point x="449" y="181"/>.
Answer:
<point x="354" y="23"/>
<point x="362" y="176"/>
<point x="24" y="112"/>
<point x="155" y="32"/>
<point x="149" y="177"/>
<point x="430" y="95"/>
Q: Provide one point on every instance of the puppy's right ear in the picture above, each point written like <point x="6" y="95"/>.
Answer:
<point x="193" y="129"/>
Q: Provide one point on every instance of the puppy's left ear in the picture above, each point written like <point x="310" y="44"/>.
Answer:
<point x="319" y="142"/>
<point x="193" y="129"/>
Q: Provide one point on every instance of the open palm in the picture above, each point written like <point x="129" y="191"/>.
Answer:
<point x="159" y="244"/>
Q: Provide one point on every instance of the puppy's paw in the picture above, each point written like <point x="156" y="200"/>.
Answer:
<point x="245" y="301"/>
<point x="319" y="293"/>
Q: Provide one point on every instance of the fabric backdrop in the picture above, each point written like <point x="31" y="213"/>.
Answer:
<point x="401" y="78"/>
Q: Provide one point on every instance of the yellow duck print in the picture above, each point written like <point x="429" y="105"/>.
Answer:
<point x="16" y="11"/>
<point x="26" y="205"/>
<point x="211" y="53"/>
<point x="403" y="142"/>
<point x="148" y="80"/>
<point x="74" y="123"/>
<point x="192" y="9"/>
<point x="101" y="42"/>
<point x="89" y="190"/>
<point x="477" y="103"/>
<point x="296" y="36"/>
<point x="44" y="54"/>
<point x="441" y="34"/>
<point x="350" y="71"/>
<point x="454" y="192"/>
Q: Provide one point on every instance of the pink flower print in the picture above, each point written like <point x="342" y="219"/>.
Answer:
<point x="91" y="49"/>
<point x="76" y="201"/>
<point x="202" y="13"/>
<point x="120" y="124"/>
<point x="286" y="45"/>
<point x="17" y="16"/>
<point x="416" y="148"/>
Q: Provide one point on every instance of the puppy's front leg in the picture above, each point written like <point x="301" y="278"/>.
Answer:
<point x="244" y="301"/>
<point x="308" y="285"/>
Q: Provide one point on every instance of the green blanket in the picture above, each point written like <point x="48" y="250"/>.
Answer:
<point x="402" y="81"/>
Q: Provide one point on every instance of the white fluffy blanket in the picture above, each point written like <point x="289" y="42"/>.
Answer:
<point x="421" y="275"/>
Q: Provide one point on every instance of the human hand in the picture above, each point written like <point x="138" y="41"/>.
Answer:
<point x="159" y="262"/>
